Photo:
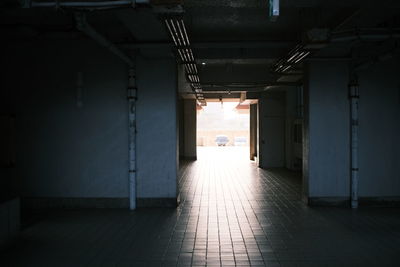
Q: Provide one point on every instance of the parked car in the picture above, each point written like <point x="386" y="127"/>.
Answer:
<point x="240" y="141"/>
<point x="221" y="140"/>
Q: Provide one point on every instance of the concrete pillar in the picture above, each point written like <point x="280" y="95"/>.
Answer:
<point x="326" y="138"/>
<point x="157" y="132"/>
<point x="253" y="132"/>
<point x="190" y="127"/>
<point x="272" y="130"/>
<point x="291" y="117"/>
<point x="181" y="131"/>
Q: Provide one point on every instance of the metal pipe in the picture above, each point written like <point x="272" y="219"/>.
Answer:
<point x="329" y="59"/>
<point x="83" y="26"/>
<point x="364" y="37"/>
<point x="354" y="99"/>
<point x="99" y="4"/>
<point x="132" y="97"/>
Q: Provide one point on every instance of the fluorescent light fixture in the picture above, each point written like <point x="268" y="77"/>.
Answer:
<point x="302" y="56"/>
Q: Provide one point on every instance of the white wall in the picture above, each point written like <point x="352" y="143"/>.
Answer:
<point x="157" y="128"/>
<point x="63" y="150"/>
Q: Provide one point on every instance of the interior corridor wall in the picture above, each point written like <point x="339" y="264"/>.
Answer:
<point x="190" y="128"/>
<point x="157" y="131"/>
<point x="379" y="130"/>
<point x="327" y="132"/>
<point x="326" y="141"/>
<point x="291" y="149"/>
<point x="71" y="142"/>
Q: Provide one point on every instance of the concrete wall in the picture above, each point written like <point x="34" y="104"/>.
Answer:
<point x="253" y="142"/>
<point x="272" y="129"/>
<point x="291" y="148"/>
<point x="327" y="143"/>
<point x="379" y="126"/>
<point x="190" y="127"/>
<point x="63" y="149"/>
<point x="327" y="132"/>
<point x="181" y="132"/>
<point x="157" y="129"/>
<point x="72" y="144"/>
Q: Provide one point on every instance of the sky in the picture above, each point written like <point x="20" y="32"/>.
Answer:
<point x="217" y="116"/>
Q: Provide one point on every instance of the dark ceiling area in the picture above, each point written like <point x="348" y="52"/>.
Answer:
<point x="235" y="44"/>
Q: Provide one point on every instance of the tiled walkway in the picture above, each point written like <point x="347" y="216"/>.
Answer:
<point x="232" y="213"/>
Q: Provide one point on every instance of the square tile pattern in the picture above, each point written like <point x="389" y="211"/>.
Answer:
<point x="231" y="214"/>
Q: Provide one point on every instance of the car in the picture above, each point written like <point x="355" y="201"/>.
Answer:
<point x="240" y="141"/>
<point x="221" y="140"/>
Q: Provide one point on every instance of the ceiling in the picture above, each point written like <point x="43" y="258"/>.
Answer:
<point x="234" y="42"/>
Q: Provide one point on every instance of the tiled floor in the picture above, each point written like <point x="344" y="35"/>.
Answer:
<point x="232" y="214"/>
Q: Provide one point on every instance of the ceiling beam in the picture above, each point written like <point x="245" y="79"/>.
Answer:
<point x="211" y="45"/>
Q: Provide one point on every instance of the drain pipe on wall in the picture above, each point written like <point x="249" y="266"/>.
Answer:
<point x="84" y="27"/>
<point x="354" y="99"/>
<point x="132" y="97"/>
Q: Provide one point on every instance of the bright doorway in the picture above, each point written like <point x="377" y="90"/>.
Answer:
<point x="223" y="127"/>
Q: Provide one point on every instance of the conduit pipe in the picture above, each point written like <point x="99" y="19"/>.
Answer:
<point x="176" y="28"/>
<point x="83" y="26"/>
<point x="132" y="97"/>
<point x="364" y="35"/>
<point x="354" y="99"/>
<point x="98" y="4"/>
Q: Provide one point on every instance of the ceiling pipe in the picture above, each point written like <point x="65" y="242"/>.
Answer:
<point x="83" y="4"/>
<point x="367" y="34"/>
<point x="83" y="26"/>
